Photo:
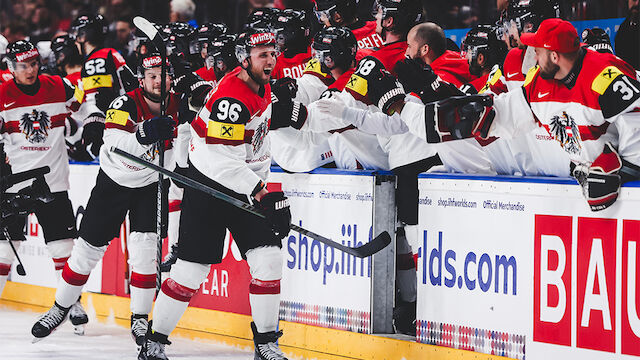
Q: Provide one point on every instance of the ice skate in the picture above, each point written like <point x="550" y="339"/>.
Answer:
<point x="139" y="327"/>
<point x="49" y="322"/>
<point x="153" y="346"/>
<point x="78" y="317"/>
<point x="266" y="346"/>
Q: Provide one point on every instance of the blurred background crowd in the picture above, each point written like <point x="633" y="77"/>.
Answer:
<point x="42" y="19"/>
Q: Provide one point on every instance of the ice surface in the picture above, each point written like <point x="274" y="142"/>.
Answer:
<point x="101" y="341"/>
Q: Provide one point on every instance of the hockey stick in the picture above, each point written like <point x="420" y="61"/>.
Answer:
<point x="19" y="267"/>
<point x="156" y="39"/>
<point x="376" y="244"/>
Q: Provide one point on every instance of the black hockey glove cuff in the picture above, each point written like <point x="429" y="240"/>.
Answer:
<point x="156" y="129"/>
<point x="284" y="89"/>
<point x="600" y="181"/>
<point x="275" y="207"/>
<point x="285" y="114"/>
<point x="385" y="91"/>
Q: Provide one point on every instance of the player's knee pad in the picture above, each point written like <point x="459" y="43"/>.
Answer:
<point x="143" y="248"/>
<point x="189" y="274"/>
<point x="265" y="263"/>
<point x="60" y="250"/>
<point x="85" y="256"/>
<point x="6" y="254"/>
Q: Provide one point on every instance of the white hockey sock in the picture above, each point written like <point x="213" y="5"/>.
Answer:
<point x="75" y="273"/>
<point x="60" y="250"/>
<point x="176" y="291"/>
<point x="265" y="265"/>
<point x="3" y="281"/>
<point x="142" y="260"/>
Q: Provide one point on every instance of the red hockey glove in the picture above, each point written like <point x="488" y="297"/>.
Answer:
<point x="275" y="206"/>
<point x="601" y="181"/>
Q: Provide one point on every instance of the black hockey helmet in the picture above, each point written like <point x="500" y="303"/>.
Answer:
<point x="178" y="36"/>
<point x="64" y="51"/>
<point x="292" y="30"/>
<point x="597" y="39"/>
<point x="260" y="34"/>
<point x="325" y="9"/>
<point x="527" y="15"/>
<point x="335" y="47"/>
<point x="221" y="55"/>
<point x="261" y="16"/>
<point x="482" y="39"/>
<point x="21" y="51"/>
<point x="204" y="34"/>
<point x="89" y="28"/>
<point x="405" y="13"/>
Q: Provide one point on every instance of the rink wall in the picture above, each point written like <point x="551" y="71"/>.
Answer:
<point x="508" y="266"/>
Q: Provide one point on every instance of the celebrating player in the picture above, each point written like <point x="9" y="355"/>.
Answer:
<point x="230" y="152"/>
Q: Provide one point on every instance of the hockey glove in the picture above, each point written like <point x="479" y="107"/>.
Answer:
<point x="180" y="65"/>
<point x="459" y="117"/>
<point x="285" y="114"/>
<point x="416" y="77"/>
<point x="284" y="89"/>
<point x="156" y="129"/>
<point x="92" y="137"/>
<point x="385" y="91"/>
<point x="600" y="181"/>
<point x="275" y="206"/>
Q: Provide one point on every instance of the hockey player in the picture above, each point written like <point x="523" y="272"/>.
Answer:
<point x="597" y="39"/>
<point x="229" y="152"/>
<point x="298" y="150"/>
<point x="198" y="48"/>
<point x="344" y="13"/>
<point x="68" y="62"/>
<point x="134" y="124"/>
<point x="105" y="75"/>
<point x="292" y="33"/>
<point x="484" y="53"/>
<point x="33" y="111"/>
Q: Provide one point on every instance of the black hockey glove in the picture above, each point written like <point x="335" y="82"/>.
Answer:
<point x="78" y="151"/>
<point x="156" y="129"/>
<point x="459" y="117"/>
<point x="284" y="89"/>
<point x="92" y="137"/>
<point x="180" y="65"/>
<point x="182" y="171"/>
<point x="415" y="76"/>
<point x="384" y="90"/>
<point x="285" y="114"/>
<point x="600" y="181"/>
<point x="275" y="206"/>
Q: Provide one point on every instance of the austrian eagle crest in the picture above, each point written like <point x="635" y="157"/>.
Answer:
<point x="35" y="126"/>
<point x="564" y="129"/>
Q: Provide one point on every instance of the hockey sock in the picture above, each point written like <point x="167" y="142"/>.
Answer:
<point x="405" y="269"/>
<point x="142" y="260"/>
<point x="175" y="294"/>
<point x="75" y="273"/>
<point x="60" y="250"/>
<point x="265" y="265"/>
<point x="4" y="274"/>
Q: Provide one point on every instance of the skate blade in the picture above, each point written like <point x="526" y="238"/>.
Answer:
<point x="35" y="340"/>
<point x="78" y="329"/>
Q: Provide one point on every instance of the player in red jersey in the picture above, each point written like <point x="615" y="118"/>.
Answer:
<point x="344" y="13"/>
<point x="230" y="151"/>
<point x="68" y="62"/>
<point x="199" y="47"/>
<point x="485" y="55"/>
<point x="521" y="17"/>
<point x="292" y="33"/>
<point x="33" y="112"/>
<point x="105" y="75"/>
<point x="134" y="124"/>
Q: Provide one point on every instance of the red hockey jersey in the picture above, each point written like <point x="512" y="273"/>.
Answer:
<point x="207" y="74"/>
<point x="228" y="142"/>
<point x="5" y="75"/>
<point x="452" y="68"/>
<point x="291" y="67"/>
<point x="367" y="37"/>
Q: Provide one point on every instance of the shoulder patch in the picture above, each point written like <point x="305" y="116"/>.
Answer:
<point x="531" y="74"/>
<point x="313" y="66"/>
<point x="358" y="84"/>
<point x="604" y="79"/>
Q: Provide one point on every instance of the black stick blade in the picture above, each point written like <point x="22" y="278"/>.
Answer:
<point x="20" y="270"/>
<point x="376" y="244"/>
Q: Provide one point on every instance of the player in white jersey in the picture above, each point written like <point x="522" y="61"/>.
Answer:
<point x="33" y="115"/>
<point x="230" y="152"/>
<point x="133" y="124"/>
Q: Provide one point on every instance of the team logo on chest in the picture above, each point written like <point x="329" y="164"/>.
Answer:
<point x="35" y="126"/>
<point x="564" y="129"/>
<point x="258" y="136"/>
